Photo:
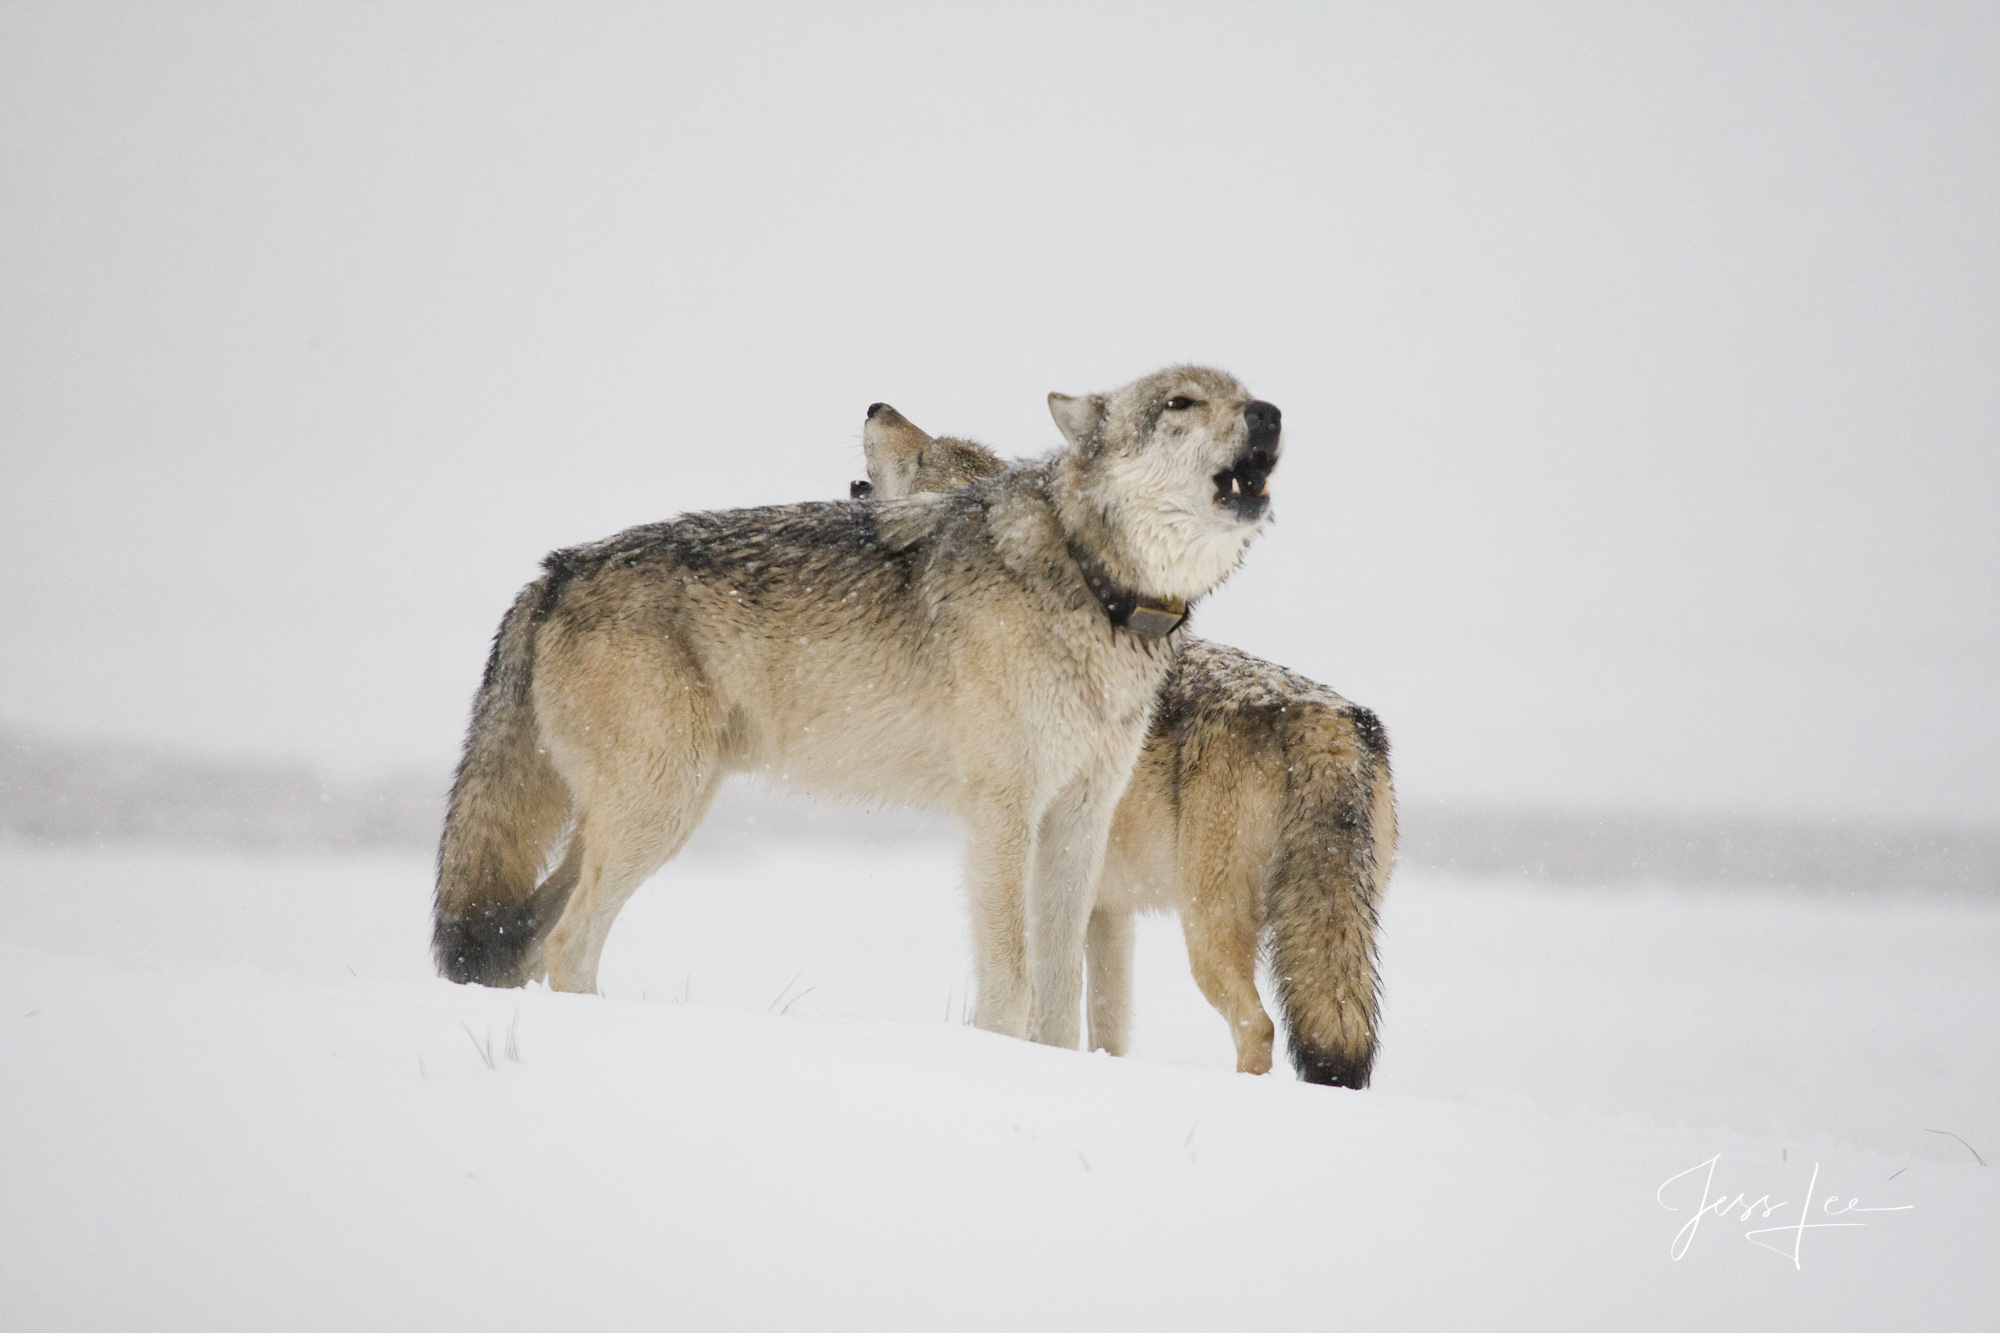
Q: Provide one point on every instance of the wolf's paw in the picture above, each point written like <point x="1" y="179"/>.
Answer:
<point x="1253" y="1052"/>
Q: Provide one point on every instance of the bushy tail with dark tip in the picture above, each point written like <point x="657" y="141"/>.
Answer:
<point x="1335" y="854"/>
<point x="508" y="807"/>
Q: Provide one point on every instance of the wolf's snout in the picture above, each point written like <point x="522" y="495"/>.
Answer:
<point x="873" y="408"/>
<point x="1264" y="420"/>
<point x="1244" y="486"/>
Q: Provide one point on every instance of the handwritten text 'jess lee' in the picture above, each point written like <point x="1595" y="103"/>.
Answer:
<point x="1789" y="1239"/>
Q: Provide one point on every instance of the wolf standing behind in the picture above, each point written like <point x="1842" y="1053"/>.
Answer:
<point x="985" y="652"/>
<point x="1261" y="810"/>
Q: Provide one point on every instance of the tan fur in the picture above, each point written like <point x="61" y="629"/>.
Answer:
<point x="1261" y="811"/>
<point x="943" y="651"/>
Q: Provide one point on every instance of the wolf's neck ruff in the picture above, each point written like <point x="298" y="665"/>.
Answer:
<point x="1149" y="617"/>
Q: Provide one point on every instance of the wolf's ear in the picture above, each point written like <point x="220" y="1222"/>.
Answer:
<point x="1076" y="418"/>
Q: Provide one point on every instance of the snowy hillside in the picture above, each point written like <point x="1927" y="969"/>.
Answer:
<point x="236" y="1099"/>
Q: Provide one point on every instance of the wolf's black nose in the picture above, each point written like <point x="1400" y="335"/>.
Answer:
<point x="1262" y="418"/>
<point x="873" y="408"/>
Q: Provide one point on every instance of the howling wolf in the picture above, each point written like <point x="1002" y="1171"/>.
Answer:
<point x="1261" y="810"/>
<point x="994" y="653"/>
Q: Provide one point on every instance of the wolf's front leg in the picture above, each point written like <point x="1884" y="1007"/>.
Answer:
<point x="1069" y="853"/>
<point x="996" y="872"/>
<point x="1108" y="951"/>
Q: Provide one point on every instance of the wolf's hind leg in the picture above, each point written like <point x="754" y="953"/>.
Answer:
<point x="642" y="766"/>
<point x="618" y="857"/>
<point x="1219" y="920"/>
<point x="1107" y="950"/>
<point x="552" y="896"/>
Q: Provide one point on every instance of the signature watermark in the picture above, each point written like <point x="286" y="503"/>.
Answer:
<point x="1787" y="1238"/>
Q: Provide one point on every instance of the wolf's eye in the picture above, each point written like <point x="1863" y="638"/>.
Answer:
<point x="1180" y="404"/>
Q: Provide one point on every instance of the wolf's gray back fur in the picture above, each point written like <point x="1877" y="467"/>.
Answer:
<point x="943" y="650"/>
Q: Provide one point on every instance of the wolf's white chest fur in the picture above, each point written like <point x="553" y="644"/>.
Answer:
<point x="1169" y="527"/>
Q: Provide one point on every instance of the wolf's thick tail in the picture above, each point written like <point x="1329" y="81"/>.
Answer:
<point x="1336" y="850"/>
<point x="508" y="807"/>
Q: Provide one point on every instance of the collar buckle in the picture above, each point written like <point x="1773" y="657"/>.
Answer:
<point x="1157" y="622"/>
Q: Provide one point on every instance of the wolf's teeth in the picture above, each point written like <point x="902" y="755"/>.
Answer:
<point x="1232" y="486"/>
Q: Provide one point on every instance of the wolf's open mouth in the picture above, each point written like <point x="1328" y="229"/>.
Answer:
<point x="1244" y="487"/>
<point x="860" y="490"/>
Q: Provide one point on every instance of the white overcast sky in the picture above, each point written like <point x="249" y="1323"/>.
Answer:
<point x="1640" y="366"/>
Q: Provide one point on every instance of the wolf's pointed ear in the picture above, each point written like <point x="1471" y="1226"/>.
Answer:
<point x="1076" y="418"/>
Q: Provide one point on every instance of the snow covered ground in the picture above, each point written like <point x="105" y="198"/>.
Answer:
<point x="232" y="1096"/>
